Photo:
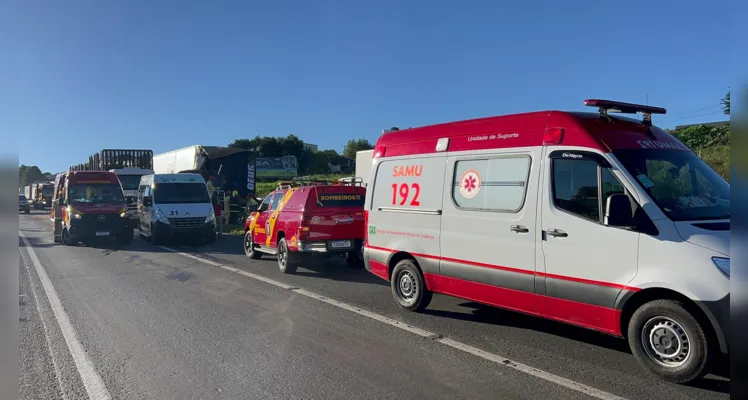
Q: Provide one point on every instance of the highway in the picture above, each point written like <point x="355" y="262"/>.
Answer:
<point x="204" y="322"/>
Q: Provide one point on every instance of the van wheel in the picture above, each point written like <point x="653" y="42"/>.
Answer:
<point x="669" y="342"/>
<point x="409" y="287"/>
<point x="125" y="237"/>
<point x="249" y="247"/>
<point x="285" y="264"/>
<point x="67" y="240"/>
<point x="354" y="260"/>
<point x="156" y="239"/>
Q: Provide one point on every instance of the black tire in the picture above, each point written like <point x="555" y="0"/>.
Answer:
<point x="354" y="260"/>
<point x="286" y="262"/>
<point x="249" y="247"/>
<point x="126" y="236"/>
<point x="409" y="287"/>
<point x="671" y="320"/>
<point x="27" y="211"/>
<point x="156" y="239"/>
<point x="66" y="239"/>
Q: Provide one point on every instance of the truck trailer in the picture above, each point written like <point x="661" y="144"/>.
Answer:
<point x="226" y="168"/>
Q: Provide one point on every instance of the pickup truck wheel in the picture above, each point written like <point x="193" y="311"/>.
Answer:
<point x="669" y="342"/>
<point x="409" y="287"/>
<point x="286" y="263"/>
<point x="249" y="247"/>
<point x="354" y="260"/>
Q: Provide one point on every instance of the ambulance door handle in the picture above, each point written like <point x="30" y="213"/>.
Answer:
<point x="557" y="233"/>
<point x="519" y="229"/>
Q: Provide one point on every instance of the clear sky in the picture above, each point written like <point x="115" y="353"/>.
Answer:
<point x="78" y="76"/>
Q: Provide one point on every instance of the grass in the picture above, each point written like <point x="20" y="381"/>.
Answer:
<point x="233" y="229"/>
<point x="718" y="157"/>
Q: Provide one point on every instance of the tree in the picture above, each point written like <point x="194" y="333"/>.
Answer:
<point x="353" y="146"/>
<point x="29" y="174"/>
<point x="726" y="103"/>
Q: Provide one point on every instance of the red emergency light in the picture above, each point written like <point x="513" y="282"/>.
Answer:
<point x="608" y="106"/>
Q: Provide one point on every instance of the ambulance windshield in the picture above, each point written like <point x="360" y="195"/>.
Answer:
<point x="681" y="184"/>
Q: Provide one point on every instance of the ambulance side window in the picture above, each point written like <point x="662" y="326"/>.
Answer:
<point x="495" y="184"/>
<point x="575" y="188"/>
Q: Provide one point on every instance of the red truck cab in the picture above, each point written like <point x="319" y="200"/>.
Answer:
<point x="305" y="218"/>
<point x="88" y="205"/>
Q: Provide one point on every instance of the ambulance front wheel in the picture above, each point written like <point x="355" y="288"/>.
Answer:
<point x="669" y="342"/>
<point x="409" y="287"/>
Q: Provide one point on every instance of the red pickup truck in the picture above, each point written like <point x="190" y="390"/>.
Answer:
<point x="299" y="220"/>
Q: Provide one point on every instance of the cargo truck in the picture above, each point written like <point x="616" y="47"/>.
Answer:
<point x="128" y="164"/>
<point x="40" y="194"/>
<point x="230" y="168"/>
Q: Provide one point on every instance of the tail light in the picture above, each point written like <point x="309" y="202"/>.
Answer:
<point x="302" y="231"/>
<point x="366" y="228"/>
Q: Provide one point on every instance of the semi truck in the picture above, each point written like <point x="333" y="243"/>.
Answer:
<point x="225" y="168"/>
<point x="128" y="164"/>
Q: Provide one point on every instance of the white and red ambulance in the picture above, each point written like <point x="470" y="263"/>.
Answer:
<point x="593" y="219"/>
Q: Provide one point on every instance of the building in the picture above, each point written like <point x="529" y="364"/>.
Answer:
<point x="311" y="147"/>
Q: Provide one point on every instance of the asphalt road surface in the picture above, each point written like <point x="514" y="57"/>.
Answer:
<point x="204" y="322"/>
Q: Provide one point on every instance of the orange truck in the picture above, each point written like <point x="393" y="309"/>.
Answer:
<point x="88" y="205"/>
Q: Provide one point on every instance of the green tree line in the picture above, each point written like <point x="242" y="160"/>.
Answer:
<point x="30" y="174"/>
<point x="310" y="163"/>
<point x="711" y="144"/>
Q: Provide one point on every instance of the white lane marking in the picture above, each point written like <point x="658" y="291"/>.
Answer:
<point x="567" y="383"/>
<point x="92" y="381"/>
<point x="56" y="367"/>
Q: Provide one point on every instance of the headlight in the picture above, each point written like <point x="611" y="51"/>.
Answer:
<point x="723" y="264"/>
<point x="73" y="214"/>
<point x="161" y="217"/>
<point x="211" y="217"/>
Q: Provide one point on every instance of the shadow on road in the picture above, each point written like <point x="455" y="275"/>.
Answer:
<point x="335" y="269"/>
<point x="718" y="382"/>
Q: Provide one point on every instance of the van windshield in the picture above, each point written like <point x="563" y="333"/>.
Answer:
<point x="180" y="193"/>
<point x="47" y="191"/>
<point x="681" y="184"/>
<point x="95" y="194"/>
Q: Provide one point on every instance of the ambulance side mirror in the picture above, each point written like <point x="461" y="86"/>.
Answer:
<point x="618" y="211"/>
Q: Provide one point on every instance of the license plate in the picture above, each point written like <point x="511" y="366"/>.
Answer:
<point x="102" y="233"/>
<point x="341" y="243"/>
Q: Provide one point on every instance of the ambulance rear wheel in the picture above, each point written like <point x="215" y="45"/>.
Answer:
<point x="409" y="287"/>
<point x="669" y="342"/>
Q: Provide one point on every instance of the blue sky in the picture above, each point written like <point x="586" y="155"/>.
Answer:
<point x="79" y="76"/>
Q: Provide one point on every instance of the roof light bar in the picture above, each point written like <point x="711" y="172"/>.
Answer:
<point x="607" y="106"/>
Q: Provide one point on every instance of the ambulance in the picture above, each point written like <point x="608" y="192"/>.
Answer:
<point x="589" y="218"/>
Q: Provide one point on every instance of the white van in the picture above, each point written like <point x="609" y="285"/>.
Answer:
<point x="175" y="205"/>
<point x="600" y="221"/>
